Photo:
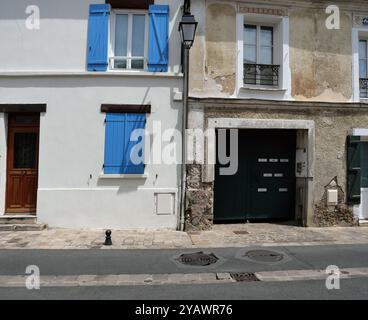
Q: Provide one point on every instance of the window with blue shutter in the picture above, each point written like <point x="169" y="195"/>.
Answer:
<point x="158" y="53"/>
<point x="98" y="31"/>
<point x="119" y="145"/>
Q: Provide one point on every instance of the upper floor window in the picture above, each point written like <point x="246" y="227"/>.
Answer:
<point x="135" y="40"/>
<point x="259" y="68"/>
<point x="363" y="68"/>
<point x="129" y="34"/>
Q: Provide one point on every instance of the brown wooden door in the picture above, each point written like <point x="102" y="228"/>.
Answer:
<point x="22" y="163"/>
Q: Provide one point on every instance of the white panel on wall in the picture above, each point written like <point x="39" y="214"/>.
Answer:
<point x="164" y="203"/>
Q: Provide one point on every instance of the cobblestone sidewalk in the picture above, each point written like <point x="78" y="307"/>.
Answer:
<point x="264" y="234"/>
<point x="220" y="236"/>
<point x="93" y="239"/>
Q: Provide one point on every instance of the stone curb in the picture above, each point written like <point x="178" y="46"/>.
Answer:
<point x="300" y="275"/>
<point x="175" y="278"/>
<point x="119" y="280"/>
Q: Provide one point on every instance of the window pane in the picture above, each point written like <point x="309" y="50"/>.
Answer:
<point x="266" y="55"/>
<point x="250" y="74"/>
<point x="250" y="34"/>
<point x="363" y="69"/>
<point x="362" y="49"/>
<point x="267" y="76"/>
<point x="250" y="54"/>
<point x="25" y="146"/>
<point x="139" y="23"/>
<point x="121" y="39"/>
<point x="266" y="36"/>
<point x="138" y="64"/>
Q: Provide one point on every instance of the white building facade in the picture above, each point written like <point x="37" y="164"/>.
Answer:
<point x="73" y="86"/>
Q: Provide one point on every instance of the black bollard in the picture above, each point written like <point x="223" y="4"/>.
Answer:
<point x="108" y="241"/>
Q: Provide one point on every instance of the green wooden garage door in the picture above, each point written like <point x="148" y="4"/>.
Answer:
<point x="264" y="185"/>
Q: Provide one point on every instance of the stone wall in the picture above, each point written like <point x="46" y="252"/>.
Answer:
<point x="335" y="215"/>
<point x="332" y="125"/>
<point x="199" y="200"/>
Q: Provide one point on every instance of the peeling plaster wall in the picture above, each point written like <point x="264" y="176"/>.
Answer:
<point x="213" y="57"/>
<point x="320" y="59"/>
<point x="221" y="45"/>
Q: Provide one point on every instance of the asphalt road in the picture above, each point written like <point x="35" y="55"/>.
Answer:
<point x="100" y="262"/>
<point x="350" y="289"/>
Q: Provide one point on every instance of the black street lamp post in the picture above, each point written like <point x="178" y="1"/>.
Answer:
<point x="187" y="29"/>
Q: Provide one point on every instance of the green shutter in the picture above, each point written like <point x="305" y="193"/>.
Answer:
<point x="353" y="169"/>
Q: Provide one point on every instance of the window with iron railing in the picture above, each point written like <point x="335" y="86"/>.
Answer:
<point x="363" y="68"/>
<point x="259" y="67"/>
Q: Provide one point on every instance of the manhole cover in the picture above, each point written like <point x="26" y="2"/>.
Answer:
<point x="197" y="259"/>
<point x="264" y="256"/>
<point x="244" y="276"/>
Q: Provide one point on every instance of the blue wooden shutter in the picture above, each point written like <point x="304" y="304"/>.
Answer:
<point x="158" y="53"/>
<point x="119" y="127"/>
<point x="353" y="169"/>
<point x="98" y="31"/>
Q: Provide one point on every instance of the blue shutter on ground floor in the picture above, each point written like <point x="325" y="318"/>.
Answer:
<point x="118" y="144"/>
<point x="158" y="53"/>
<point x="353" y="169"/>
<point x="98" y="31"/>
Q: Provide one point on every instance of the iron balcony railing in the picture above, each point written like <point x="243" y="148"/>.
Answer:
<point x="261" y="74"/>
<point x="363" y="88"/>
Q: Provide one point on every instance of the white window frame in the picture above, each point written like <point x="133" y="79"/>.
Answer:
<point x="363" y="38"/>
<point x="357" y="35"/>
<point x="258" y="40"/>
<point x="280" y="55"/>
<point x="366" y="59"/>
<point x="129" y="57"/>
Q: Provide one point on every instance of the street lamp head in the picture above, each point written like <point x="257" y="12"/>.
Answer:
<point x="187" y="29"/>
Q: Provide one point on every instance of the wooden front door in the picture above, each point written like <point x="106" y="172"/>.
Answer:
<point x="22" y="163"/>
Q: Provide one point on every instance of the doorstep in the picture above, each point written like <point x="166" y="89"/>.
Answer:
<point x="22" y="227"/>
<point x="18" y="219"/>
<point x="20" y="223"/>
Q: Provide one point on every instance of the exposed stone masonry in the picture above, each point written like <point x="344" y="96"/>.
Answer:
<point x="199" y="201"/>
<point x="339" y="215"/>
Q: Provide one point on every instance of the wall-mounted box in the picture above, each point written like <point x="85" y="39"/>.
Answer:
<point x="301" y="168"/>
<point x="164" y="203"/>
<point x="332" y="197"/>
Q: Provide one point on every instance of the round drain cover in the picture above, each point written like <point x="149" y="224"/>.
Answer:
<point x="264" y="255"/>
<point x="197" y="259"/>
